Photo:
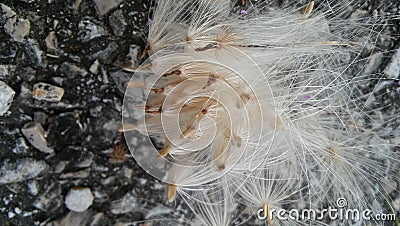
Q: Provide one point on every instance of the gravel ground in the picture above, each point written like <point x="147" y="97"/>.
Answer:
<point x="63" y="65"/>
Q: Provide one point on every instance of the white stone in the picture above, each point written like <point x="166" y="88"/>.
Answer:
<point x="11" y="214"/>
<point x="33" y="188"/>
<point x="17" y="210"/>
<point x="79" y="199"/>
<point x="47" y="92"/>
<point x="18" y="29"/>
<point x="6" y="97"/>
<point x="34" y="132"/>
<point x="7" y="11"/>
<point x="21" y="170"/>
<point x="94" y="68"/>
<point x="126" y="204"/>
<point x="51" y="41"/>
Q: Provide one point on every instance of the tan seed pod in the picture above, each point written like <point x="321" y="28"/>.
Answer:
<point x="171" y="192"/>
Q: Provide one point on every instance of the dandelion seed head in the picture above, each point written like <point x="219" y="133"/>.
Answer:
<point x="258" y="110"/>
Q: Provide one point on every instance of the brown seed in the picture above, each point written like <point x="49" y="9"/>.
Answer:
<point x="308" y="9"/>
<point x="267" y="214"/>
<point x="145" y="51"/>
<point x="171" y="192"/>
<point x="165" y="151"/>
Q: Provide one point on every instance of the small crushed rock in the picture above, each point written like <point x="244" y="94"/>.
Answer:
<point x="6" y="97"/>
<point x="21" y="170"/>
<point x="79" y="199"/>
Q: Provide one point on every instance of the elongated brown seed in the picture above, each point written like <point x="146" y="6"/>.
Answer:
<point x="267" y="214"/>
<point x="165" y="151"/>
<point x="171" y="192"/>
<point x="308" y="9"/>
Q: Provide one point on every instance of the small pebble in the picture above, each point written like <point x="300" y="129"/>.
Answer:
<point x="33" y="188"/>
<point x="47" y="92"/>
<point x="6" y="97"/>
<point x="17" y="210"/>
<point x="11" y="214"/>
<point x="21" y="170"/>
<point x="79" y="199"/>
<point x="34" y="132"/>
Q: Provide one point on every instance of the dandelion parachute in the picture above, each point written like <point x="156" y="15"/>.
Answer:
<point x="258" y="108"/>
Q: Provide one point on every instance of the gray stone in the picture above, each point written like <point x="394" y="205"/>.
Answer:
<point x="96" y="111"/>
<point x="158" y="211"/>
<point x="6" y="13"/>
<point x="35" y="134"/>
<point x="10" y="214"/>
<point x="40" y="117"/>
<point x="6" y="97"/>
<point x="88" y="30"/>
<point x="86" y="160"/>
<point x="79" y="199"/>
<point x="33" y="188"/>
<point x="118" y="23"/>
<point x="103" y="6"/>
<point x="392" y="70"/>
<point x="71" y="71"/>
<point x="17" y="28"/>
<point x="121" y="78"/>
<point x="17" y="210"/>
<point x="50" y="199"/>
<point x="20" y="146"/>
<point x="73" y="219"/>
<point x="51" y="41"/>
<point x="94" y="68"/>
<point x="47" y="92"/>
<point x="34" y="53"/>
<point x="126" y="204"/>
<point x="27" y="74"/>
<point x="373" y="63"/>
<point x="134" y="51"/>
<point x="60" y="166"/>
<point x="21" y="170"/>
<point x="6" y="70"/>
<point x="79" y="174"/>
<point x="58" y="80"/>
<point x="128" y="173"/>
<point x="105" y="53"/>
